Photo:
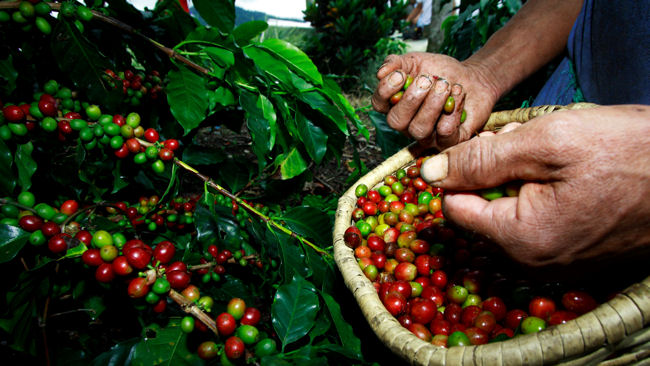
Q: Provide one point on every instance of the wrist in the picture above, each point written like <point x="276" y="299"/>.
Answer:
<point x="487" y="79"/>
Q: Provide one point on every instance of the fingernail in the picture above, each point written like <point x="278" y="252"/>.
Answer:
<point x="423" y="82"/>
<point x="456" y="89"/>
<point x="381" y="67"/>
<point x="441" y="86"/>
<point x="435" y="168"/>
<point x="396" y="78"/>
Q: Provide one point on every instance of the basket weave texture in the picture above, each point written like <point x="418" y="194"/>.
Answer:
<point x="615" y="333"/>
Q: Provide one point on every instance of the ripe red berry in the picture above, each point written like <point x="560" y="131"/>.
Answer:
<point x="119" y="120"/>
<point x="64" y="127"/>
<point x="30" y="223"/>
<point x="165" y="154"/>
<point x="151" y="135"/>
<point x="13" y="113"/>
<point x="251" y="316"/>
<point x="171" y="144"/>
<point x="47" y="107"/>
<point x="122" y="152"/>
<point x="138" y="287"/>
<point x="91" y="257"/>
<point x="164" y="251"/>
<point x="226" y="324"/>
<point x="104" y="273"/>
<point x="58" y="243"/>
<point x="50" y="229"/>
<point x="234" y="347"/>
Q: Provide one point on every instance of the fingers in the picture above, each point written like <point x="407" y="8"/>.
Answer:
<point x="387" y="86"/>
<point x="391" y="63"/>
<point x="423" y="123"/>
<point x="447" y="133"/>
<point x="488" y="162"/>
<point x="491" y="218"/>
<point x="399" y="117"/>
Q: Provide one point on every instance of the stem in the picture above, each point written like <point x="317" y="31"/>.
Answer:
<point x="197" y="267"/>
<point x="85" y="209"/>
<point x="191" y="308"/>
<point x="4" y="201"/>
<point x="248" y="207"/>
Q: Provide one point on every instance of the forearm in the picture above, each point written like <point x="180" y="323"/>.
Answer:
<point x="414" y="13"/>
<point x="532" y="38"/>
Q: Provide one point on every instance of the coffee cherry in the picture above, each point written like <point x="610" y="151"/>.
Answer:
<point x="151" y="135"/>
<point x="138" y="288"/>
<point x="208" y="350"/>
<point x="104" y="273"/>
<point x="171" y="144"/>
<point x="226" y="324"/>
<point x="30" y="223"/>
<point x="234" y="347"/>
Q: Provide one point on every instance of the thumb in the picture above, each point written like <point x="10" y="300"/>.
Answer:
<point x="484" y="162"/>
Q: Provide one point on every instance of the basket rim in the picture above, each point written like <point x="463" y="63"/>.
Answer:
<point x="589" y="335"/>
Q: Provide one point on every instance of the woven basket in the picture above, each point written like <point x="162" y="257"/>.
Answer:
<point x="615" y="333"/>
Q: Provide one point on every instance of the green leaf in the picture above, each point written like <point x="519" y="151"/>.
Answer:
<point x="297" y="60"/>
<point x="257" y="108"/>
<point x="12" y="240"/>
<point x="200" y="155"/>
<point x="235" y="175"/>
<point x="206" y="228"/>
<point x="20" y="326"/>
<point x="96" y="306"/>
<point x="169" y="346"/>
<point x="81" y="60"/>
<point x="223" y="57"/>
<point x="308" y="222"/>
<point x="317" y="101"/>
<point x="118" y="179"/>
<point x="332" y="347"/>
<point x="323" y="270"/>
<point x="187" y="95"/>
<point x="389" y="140"/>
<point x="293" y="257"/>
<point x="333" y="91"/>
<point x="9" y="74"/>
<point x="294" y="310"/>
<point x="267" y="63"/>
<point x="222" y="96"/>
<point x="76" y="251"/>
<point x="119" y="354"/>
<point x="291" y="164"/>
<point x="321" y="326"/>
<point x="25" y="164"/>
<point x="245" y="32"/>
<point x="8" y="181"/>
<point x="218" y="13"/>
<point x="313" y="137"/>
<point x="349" y="340"/>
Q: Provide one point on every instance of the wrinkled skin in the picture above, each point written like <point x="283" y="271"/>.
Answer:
<point x="419" y="114"/>
<point x="586" y="194"/>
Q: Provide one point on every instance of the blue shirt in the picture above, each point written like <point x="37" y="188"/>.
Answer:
<point x="608" y="58"/>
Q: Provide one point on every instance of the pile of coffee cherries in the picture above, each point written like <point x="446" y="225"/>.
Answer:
<point x="447" y="286"/>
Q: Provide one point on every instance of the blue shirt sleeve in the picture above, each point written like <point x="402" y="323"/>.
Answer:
<point x="608" y="56"/>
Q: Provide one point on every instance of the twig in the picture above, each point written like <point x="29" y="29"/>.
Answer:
<point x="191" y="308"/>
<point x="4" y="201"/>
<point x="248" y="207"/>
<point x="197" y="267"/>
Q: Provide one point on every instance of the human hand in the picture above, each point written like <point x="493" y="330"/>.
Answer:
<point x="420" y="114"/>
<point x="586" y="191"/>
